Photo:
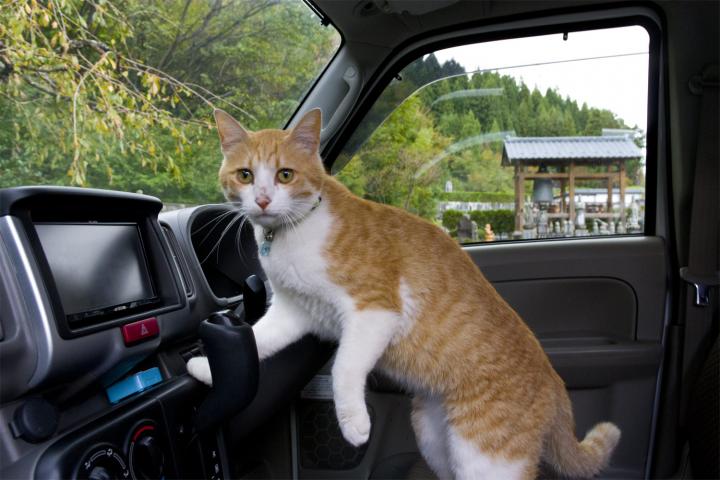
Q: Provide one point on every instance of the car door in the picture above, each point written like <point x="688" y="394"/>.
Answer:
<point x="554" y="190"/>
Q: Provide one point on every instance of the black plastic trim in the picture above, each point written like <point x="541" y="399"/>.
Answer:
<point x="180" y="259"/>
<point x="71" y="205"/>
<point x="325" y="21"/>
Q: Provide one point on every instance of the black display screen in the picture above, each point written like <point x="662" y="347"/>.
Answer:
<point x="97" y="268"/>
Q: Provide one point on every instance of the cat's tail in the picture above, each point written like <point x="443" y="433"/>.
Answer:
<point x="578" y="459"/>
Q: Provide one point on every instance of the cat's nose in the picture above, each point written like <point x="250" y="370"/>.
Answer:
<point x="262" y="202"/>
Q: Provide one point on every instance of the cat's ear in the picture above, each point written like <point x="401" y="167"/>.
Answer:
<point x="306" y="133"/>
<point x="230" y="131"/>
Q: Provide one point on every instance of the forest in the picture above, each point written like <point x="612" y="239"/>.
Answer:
<point x="436" y="123"/>
<point x="120" y="95"/>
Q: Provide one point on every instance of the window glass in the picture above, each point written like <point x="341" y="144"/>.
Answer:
<point x="527" y="138"/>
<point x="120" y="95"/>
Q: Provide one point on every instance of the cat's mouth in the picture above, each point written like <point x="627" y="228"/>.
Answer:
<point x="265" y="219"/>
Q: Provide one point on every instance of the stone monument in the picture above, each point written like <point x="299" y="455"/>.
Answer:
<point x="467" y="229"/>
<point x="580" y="227"/>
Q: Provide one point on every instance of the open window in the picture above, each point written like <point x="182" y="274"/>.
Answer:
<point x="526" y="138"/>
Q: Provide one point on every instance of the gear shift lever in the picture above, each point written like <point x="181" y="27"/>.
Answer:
<point x="233" y="358"/>
<point x="254" y="299"/>
<point x="232" y="354"/>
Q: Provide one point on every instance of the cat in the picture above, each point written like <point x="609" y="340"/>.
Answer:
<point x="398" y="294"/>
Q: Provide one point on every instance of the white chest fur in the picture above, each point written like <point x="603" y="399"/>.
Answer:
<point x="297" y="268"/>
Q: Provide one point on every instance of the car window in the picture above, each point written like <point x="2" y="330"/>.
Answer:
<point x="120" y="94"/>
<point x="528" y="138"/>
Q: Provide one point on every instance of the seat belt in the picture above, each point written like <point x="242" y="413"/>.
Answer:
<point x="702" y="272"/>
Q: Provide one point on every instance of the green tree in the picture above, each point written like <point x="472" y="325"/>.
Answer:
<point x="120" y="94"/>
<point x="397" y="161"/>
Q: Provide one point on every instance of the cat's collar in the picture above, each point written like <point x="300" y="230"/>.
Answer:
<point x="269" y="233"/>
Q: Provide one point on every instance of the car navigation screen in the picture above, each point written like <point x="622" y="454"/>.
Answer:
<point x="97" y="268"/>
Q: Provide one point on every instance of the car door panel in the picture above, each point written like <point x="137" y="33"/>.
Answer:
<point x="598" y="308"/>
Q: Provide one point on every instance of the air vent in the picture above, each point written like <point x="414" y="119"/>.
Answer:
<point x="178" y="260"/>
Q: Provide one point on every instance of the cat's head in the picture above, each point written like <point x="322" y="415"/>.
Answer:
<point x="273" y="176"/>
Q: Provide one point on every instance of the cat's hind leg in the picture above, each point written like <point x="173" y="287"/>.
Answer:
<point x="429" y="421"/>
<point x="469" y="461"/>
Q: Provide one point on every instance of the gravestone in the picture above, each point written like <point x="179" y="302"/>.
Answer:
<point x="467" y="229"/>
<point x="542" y="227"/>
<point x="634" y="222"/>
<point x="529" y="231"/>
<point x="580" y="227"/>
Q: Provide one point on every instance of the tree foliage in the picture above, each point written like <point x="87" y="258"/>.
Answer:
<point x="120" y="94"/>
<point x="464" y="117"/>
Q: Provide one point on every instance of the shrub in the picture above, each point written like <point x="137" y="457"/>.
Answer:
<point x="450" y="220"/>
<point x="501" y="220"/>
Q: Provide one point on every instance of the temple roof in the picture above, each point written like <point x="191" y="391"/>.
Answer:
<point x="549" y="150"/>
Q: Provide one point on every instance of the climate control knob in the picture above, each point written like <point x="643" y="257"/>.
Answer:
<point x="100" y="473"/>
<point x="104" y="462"/>
<point x="147" y="459"/>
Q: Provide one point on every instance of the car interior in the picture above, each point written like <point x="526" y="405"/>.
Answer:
<point x="105" y="295"/>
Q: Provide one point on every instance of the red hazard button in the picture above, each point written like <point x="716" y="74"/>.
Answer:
<point x="138" y="331"/>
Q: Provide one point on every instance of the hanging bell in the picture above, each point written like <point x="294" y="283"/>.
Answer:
<point x="542" y="188"/>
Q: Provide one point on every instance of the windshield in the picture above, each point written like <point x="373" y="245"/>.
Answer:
<point x="120" y="95"/>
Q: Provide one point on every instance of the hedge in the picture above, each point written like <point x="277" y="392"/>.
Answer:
<point x="502" y="221"/>
<point x="490" y="197"/>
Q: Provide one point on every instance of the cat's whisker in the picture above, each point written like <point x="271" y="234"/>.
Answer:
<point x="227" y="229"/>
<point x="238" y="239"/>
<point x="216" y="246"/>
<point x="293" y="218"/>
<point x="212" y="221"/>
<point x="217" y="221"/>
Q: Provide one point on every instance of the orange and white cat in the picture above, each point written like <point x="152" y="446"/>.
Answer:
<point x="399" y="294"/>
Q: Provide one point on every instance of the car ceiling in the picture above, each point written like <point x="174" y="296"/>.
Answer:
<point x="388" y="23"/>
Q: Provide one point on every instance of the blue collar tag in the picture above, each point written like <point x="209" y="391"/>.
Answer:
<point x="267" y="242"/>
<point x="265" y="248"/>
<point x="269" y="234"/>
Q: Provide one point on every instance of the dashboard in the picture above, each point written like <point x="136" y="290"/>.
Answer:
<point x="101" y="297"/>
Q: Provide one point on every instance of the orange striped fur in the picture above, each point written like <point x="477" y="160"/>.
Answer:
<point x="477" y="370"/>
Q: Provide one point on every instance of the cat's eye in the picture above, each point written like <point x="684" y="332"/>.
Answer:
<point x="285" y="175"/>
<point x="244" y="175"/>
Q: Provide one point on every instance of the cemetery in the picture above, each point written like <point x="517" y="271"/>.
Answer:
<point x="557" y="206"/>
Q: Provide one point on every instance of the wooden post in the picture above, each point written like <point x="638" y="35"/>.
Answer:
<point x="571" y="193"/>
<point x="609" y="203"/>
<point x="563" y="202"/>
<point x="519" y="194"/>
<point x="621" y="181"/>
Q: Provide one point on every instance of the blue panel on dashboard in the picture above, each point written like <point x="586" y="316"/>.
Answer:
<point x="134" y="384"/>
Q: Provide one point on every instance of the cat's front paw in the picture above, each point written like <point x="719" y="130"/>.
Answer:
<point x="199" y="368"/>
<point x="354" y="425"/>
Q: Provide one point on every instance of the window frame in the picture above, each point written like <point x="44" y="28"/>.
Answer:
<point x="558" y="22"/>
<point x="325" y="22"/>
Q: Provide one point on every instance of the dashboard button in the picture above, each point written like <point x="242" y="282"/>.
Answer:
<point x="139" y="331"/>
<point x="134" y="384"/>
